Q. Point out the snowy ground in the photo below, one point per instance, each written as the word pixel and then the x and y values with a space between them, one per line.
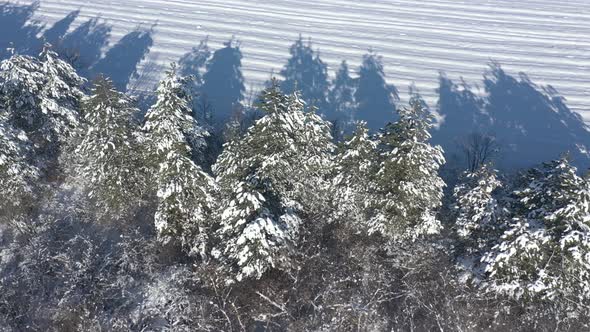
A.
pixel 547 39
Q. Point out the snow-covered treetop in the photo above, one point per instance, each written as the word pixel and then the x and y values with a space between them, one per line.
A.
pixel 171 120
pixel 107 154
pixel 63 81
pixel 268 180
pixel 358 153
pixel 408 181
pixel 545 251
pixel 42 96
pixel 291 140
pixel 550 189
pixel 184 190
pixel 475 205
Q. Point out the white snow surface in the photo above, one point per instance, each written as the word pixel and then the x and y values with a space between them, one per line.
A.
pixel 547 39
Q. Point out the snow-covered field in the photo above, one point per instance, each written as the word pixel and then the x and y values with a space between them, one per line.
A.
pixel 547 39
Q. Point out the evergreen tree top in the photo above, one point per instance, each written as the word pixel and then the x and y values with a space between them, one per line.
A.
pixel 273 100
pixel 414 124
pixel 171 118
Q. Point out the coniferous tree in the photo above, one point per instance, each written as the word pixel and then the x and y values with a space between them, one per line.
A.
pixel 42 97
pixel 354 186
pixel 271 180
pixel 408 187
pixel 184 190
pixel 18 177
pixel 375 98
pixel 545 251
pixel 307 73
pixel 107 157
pixel 479 217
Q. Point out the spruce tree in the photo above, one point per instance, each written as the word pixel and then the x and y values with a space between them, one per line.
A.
pixel 408 187
pixel 545 251
pixel 107 156
pixel 271 181
pixel 18 177
pixel 479 217
pixel 353 183
pixel 184 190
pixel 42 97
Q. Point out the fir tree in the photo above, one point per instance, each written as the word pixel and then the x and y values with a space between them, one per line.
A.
pixel 184 190
pixel 375 98
pixel 354 186
pixel 479 218
pixel 108 154
pixel 271 180
pixel 408 188
pixel 42 97
pixel 545 251
pixel 18 178
pixel 61 95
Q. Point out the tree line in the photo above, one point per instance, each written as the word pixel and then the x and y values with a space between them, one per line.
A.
pixel 113 218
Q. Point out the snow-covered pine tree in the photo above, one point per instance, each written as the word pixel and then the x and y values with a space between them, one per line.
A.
pixel 479 217
pixel 271 180
pixel 18 178
pixel 107 155
pixel 356 163
pixel 408 187
pixel 42 97
pixel 62 95
pixel 184 190
pixel 545 251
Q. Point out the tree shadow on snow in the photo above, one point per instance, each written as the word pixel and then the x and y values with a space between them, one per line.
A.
pixel 18 33
pixel 120 62
pixel 531 123
pixel 84 45
pixel 223 87
pixel 193 64
pixel 55 34
pixel 375 98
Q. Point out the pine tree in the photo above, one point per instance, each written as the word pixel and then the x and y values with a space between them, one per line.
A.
pixel 18 178
pixel 271 180
pixel 354 186
pixel 479 218
pixel 341 100
pixel 375 98
pixel 477 208
pixel 545 251
pixel 307 73
pixel 108 154
pixel 42 97
pixel 408 188
pixel 61 94
pixel 184 190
